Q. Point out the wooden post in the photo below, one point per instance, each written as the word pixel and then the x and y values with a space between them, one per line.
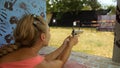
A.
pixel 116 49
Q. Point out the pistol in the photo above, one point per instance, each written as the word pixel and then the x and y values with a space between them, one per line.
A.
pixel 76 32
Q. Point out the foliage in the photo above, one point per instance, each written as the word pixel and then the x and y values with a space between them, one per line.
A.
pixel 94 4
pixel 112 8
pixel 71 5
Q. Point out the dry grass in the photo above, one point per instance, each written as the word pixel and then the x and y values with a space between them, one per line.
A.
pixel 90 41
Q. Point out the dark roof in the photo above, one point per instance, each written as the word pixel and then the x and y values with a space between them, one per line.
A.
pixel 98 12
pixel 103 12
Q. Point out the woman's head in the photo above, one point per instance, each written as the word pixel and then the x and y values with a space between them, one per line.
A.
pixel 30 29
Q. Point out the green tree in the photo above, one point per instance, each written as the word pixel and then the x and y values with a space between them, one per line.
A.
pixel 112 8
pixel 94 4
pixel 71 5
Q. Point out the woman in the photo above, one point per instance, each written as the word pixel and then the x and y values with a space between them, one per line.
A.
pixel 31 34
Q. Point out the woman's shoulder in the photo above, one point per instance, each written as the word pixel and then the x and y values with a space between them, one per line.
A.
pixel 27 63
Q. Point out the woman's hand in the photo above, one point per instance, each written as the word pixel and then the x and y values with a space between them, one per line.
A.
pixel 71 40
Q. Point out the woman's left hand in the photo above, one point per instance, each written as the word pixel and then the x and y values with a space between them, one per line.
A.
pixel 71 41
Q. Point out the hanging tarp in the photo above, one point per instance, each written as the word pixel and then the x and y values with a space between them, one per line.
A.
pixel 12 10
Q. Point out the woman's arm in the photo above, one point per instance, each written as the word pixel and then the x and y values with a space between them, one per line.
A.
pixel 55 54
pixel 64 51
pixel 58 58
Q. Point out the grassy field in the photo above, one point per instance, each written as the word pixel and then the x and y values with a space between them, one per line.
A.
pixel 90 41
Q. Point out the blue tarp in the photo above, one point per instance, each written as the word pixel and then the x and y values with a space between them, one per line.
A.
pixel 12 10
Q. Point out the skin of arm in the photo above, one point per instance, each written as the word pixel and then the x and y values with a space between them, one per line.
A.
pixel 58 58
pixel 63 52
pixel 66 53
pixel 55 54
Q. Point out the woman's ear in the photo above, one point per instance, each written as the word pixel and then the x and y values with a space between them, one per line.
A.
pixel 43 37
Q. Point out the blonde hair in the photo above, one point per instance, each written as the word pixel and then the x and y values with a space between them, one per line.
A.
pixel 28 29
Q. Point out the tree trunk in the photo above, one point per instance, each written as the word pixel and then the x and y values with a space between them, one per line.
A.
pixel 116 49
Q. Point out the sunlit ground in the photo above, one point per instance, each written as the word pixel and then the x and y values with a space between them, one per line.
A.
pixel 90 41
